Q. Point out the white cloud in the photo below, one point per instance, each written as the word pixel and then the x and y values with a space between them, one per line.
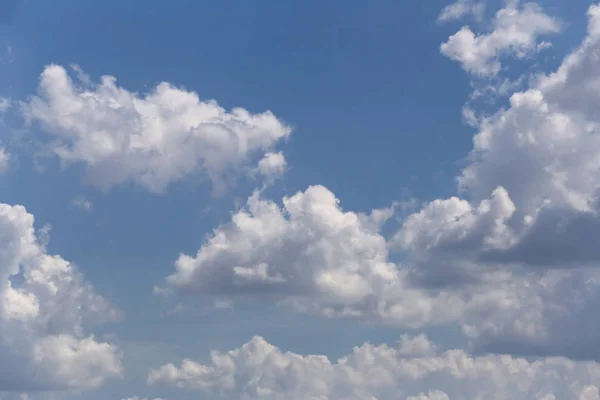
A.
pixel 543 149
pixel 5 104
pixel 315 257
pixel 140 398
pixel 260 370
pixel 509 266
pixel 272 165
pixel 44 306
pixel 539 158
pixel 312 255
pixel 304 248
pixel 460 9
pixel 82 203
pixel 514 30
pixel 154 139
pixel 4 160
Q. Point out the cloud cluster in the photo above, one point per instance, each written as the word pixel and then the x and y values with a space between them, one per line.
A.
pixel 539 159
pixel 514 31
pixel 44 305
pixel 512 262
pixel 509 264
pixel 152 140
pixel 414 370
pixel 314 256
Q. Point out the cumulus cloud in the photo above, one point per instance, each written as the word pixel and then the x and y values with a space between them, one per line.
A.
pixel 260 370
pixel 510 263
pixel 303 248
pixel 154 139
pixel 45 304
pixel 272 165
pixel 539 160
pixel 543 150
pixel 312 255
pixel 514 31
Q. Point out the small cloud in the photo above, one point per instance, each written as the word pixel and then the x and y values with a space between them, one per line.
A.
pixel 4 160
pixel 223 304
pixel 159 291
pixel 5 104
pixel 178 309
pixel 543 46
pixel 461 9
pixel 82 203
pixel 272 165
pixel 44 235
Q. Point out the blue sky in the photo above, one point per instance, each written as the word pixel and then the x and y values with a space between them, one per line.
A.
pixel 375 112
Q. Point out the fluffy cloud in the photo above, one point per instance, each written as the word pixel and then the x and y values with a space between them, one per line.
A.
pixel 511 265
pixel 543 152
pixel 44 306
pixel 539 159
pixel 272 165
pixel 514 30
pixel 260 370
pixel 310 247
pixel 313 256
pixel 154 139
pixel 445 234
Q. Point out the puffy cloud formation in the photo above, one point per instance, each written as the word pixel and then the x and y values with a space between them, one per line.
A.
pixel 539 159
pixel 44 305
pixel 309 247
pixel 259 370
pixel 154 139
pixel 312 255
pixel 514 30
pixel 272 165
pixel 511 263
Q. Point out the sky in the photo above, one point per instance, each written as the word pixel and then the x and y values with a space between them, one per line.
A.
pixel 299 200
